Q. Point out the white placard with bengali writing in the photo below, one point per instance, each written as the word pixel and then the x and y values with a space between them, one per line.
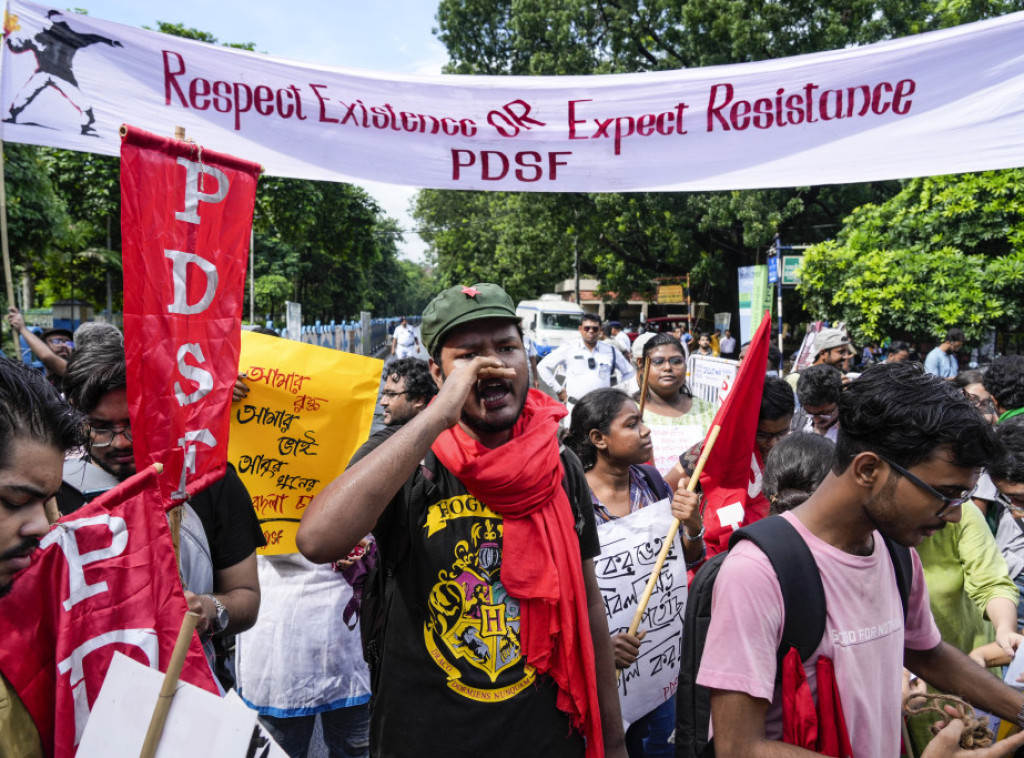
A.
pixel 629 547
pixel 672 441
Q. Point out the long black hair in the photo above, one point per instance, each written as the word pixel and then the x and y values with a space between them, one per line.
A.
pixel 596 410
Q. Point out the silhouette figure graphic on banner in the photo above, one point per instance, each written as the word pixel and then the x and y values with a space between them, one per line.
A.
pixel 55 49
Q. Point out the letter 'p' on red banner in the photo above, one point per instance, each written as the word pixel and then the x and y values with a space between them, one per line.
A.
pixel 186 218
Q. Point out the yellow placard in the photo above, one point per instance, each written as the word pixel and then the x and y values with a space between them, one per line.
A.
pixel 309 408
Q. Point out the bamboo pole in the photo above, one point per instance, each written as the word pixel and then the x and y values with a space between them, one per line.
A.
pixel 170 683
pixel 8 276
pixel 673 529
pixel 645 381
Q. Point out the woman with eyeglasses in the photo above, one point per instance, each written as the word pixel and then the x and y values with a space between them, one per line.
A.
pixel 676 418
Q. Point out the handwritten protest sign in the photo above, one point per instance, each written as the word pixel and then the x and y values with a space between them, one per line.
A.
pixel 308 410
pixel 629 547
pixel 672 440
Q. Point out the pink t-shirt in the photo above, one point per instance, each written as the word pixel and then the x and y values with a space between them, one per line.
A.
pixel 864 635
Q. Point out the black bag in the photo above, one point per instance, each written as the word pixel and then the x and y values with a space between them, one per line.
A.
pixel 803 598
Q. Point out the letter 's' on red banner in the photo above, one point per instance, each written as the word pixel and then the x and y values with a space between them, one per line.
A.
pixel 104 581
pixel 186 218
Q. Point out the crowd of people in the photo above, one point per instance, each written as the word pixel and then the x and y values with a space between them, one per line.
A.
pixel 463 535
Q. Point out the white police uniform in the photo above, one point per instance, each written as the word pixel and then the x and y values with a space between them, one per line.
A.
pixel 585 370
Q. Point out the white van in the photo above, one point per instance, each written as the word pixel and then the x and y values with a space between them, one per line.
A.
pixel 549 321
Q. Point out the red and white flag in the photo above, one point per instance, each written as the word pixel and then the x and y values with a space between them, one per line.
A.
pixel 186 217
pixel 731 480
pixel 104 581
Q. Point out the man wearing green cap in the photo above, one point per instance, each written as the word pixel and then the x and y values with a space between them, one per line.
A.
pixel 495 640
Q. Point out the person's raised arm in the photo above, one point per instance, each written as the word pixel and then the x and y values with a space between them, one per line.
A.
pixel 347 509
pixel 53 362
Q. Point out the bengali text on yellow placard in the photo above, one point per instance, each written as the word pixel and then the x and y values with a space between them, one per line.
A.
pixel 309 408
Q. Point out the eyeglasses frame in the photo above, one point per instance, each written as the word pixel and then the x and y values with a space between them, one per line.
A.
pixel 948 503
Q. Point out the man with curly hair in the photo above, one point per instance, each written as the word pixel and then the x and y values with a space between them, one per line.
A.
pixel 818 390
pixel 408 388
pixel 1004 380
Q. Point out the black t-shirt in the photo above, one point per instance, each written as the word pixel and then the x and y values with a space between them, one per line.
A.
pixel 224 508
pixel 229 520
pixel 453 681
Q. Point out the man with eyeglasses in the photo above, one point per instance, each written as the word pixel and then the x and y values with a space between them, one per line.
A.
pixel 407 390
pixel 219 529
pixel 909 452
pixel 53 348
pixel 818 390
pixel 588 364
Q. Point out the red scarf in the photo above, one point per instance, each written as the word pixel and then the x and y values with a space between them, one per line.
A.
pixel 541 567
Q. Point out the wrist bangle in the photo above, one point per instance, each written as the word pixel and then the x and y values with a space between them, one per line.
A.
pixel 695 537
pixel 1020 716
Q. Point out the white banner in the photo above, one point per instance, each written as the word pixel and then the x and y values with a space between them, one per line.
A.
pixel 943 102
pixel 629 546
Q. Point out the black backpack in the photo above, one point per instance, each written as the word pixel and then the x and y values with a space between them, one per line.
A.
pixel 803 598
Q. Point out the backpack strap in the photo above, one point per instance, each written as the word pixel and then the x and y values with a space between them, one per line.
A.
pixel 803 596
pixel 904 566
pixel 655 481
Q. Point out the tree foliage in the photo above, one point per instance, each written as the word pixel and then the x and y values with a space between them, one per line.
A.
pixel 527 241
pixel 945 251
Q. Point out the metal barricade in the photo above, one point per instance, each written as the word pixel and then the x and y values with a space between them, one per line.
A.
pixel 707 375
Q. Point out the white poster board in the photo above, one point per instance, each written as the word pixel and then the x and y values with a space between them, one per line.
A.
pixel 199 723
pixel 629 547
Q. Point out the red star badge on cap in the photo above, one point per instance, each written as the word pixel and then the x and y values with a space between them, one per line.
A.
pixel 470 291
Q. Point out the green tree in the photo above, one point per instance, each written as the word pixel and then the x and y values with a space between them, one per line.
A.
pixel 270 293
pixel 945 251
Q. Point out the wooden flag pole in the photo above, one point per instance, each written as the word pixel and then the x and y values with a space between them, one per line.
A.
pixel 163 703
pixel 8 276
pixel 645 382
pixel 671 536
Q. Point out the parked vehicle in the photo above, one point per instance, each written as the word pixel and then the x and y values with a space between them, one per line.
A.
pixel 549 321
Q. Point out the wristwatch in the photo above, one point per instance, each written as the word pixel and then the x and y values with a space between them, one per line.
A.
pixel 220 621
pixel 695 537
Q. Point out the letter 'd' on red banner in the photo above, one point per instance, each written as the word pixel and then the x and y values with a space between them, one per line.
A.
pixel 186 217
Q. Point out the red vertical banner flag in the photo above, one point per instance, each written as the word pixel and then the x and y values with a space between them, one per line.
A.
pixel 103 581
pixel 186 219
pixel 731 480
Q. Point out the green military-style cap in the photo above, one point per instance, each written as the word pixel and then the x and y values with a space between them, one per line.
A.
pixel 459 305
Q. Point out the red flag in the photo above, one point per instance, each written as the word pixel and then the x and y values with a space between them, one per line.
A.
pixel 731 480
pixel 104 581
pixel 186 217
